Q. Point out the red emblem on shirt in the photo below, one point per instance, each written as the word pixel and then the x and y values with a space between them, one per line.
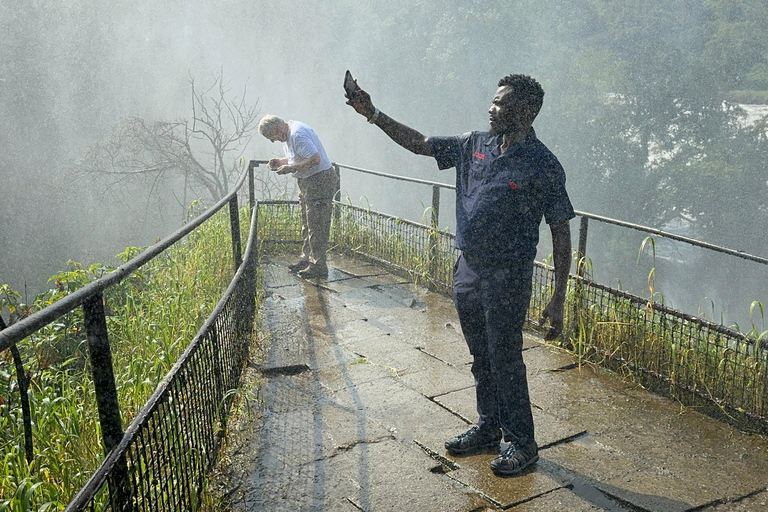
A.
pixel 513 185
pixel 479 155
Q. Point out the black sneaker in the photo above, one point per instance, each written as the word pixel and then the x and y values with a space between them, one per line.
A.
pixel 474 440
pixel 515 458
pixel 299 265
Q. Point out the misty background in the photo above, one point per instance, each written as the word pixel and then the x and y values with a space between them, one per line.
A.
pixel 645 107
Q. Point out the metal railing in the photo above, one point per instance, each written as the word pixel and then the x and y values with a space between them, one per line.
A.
pixel 159 461
pixel 715 368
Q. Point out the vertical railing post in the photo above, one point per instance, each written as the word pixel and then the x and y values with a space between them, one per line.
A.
pixel 107 403
pixel 433 234
pixel 234 222
pixel 581 256
pixel 251 186
pixel 583 228
pixel 435 207
pixel 218 368
pixel 26 411
pixel 337 195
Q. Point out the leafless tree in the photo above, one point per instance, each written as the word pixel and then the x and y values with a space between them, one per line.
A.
pixel 206 151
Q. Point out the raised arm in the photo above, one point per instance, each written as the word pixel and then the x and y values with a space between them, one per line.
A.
pixel 407 137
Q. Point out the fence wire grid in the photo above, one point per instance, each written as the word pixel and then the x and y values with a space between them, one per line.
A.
pixel 702 364
pixel 161 462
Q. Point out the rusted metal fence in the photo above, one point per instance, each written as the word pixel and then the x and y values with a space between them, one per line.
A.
pixel 701 363
pixel 159 462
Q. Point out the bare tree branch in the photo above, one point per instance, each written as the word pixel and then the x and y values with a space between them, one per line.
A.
pixel 221 127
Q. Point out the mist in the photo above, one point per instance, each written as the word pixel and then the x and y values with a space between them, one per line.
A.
pixel 71 71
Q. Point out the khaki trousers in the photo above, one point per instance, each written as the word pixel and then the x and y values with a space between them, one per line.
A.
pixel 316 202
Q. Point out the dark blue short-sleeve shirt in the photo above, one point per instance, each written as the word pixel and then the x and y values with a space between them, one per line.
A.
pixel 501 198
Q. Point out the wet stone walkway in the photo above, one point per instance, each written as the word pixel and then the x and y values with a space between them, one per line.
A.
pixel 365 375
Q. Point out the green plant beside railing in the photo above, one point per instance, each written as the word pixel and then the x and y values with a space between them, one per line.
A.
pixel 152 316
pixel 676 355
pixel 426 255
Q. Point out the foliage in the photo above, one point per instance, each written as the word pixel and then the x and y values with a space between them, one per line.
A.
pixel 152 315
pixel 737 43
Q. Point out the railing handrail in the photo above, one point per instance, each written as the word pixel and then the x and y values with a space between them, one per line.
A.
pixel 23 328
pixel 382 174
pixel 673 236
pixel 599 218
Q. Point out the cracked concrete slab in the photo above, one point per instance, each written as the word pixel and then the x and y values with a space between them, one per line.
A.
pixel 380 377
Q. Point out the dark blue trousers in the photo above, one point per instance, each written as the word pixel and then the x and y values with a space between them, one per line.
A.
pixel 491 298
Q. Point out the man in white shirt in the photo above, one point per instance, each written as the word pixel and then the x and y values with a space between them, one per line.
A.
pixel 318 181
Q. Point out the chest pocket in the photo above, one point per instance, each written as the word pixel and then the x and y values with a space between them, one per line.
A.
pixel 478 171
pixel 513 192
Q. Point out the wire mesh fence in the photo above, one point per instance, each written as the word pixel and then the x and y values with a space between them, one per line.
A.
pixel 162 458
pixel 424 254
pixel 698 362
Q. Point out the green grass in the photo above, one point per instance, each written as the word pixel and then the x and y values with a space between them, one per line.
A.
pixel 153 315
pixel 674 355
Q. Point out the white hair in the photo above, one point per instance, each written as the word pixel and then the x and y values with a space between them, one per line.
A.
pixel 269 123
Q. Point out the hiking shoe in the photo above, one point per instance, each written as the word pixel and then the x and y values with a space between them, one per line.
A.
pixel 313 271
pixel 299 265
pixel 474 440
pixel 515 458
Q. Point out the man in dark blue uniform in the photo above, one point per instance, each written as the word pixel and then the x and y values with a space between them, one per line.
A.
pixel 506 182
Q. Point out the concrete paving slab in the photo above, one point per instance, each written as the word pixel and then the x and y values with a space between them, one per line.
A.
pixel 653 436
pixel 282 322
pixel 504 493
pixel 392 352
pixel 278 275
pixel 557 500
pixel 365 377
pixel 344 284
pixel 755 502
pixel 346 377
pixel 395 405
pixel 461 402
pixel 329 355
pixel 356 329
pixel 351 265
pixel 412 487
pixel 436 379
